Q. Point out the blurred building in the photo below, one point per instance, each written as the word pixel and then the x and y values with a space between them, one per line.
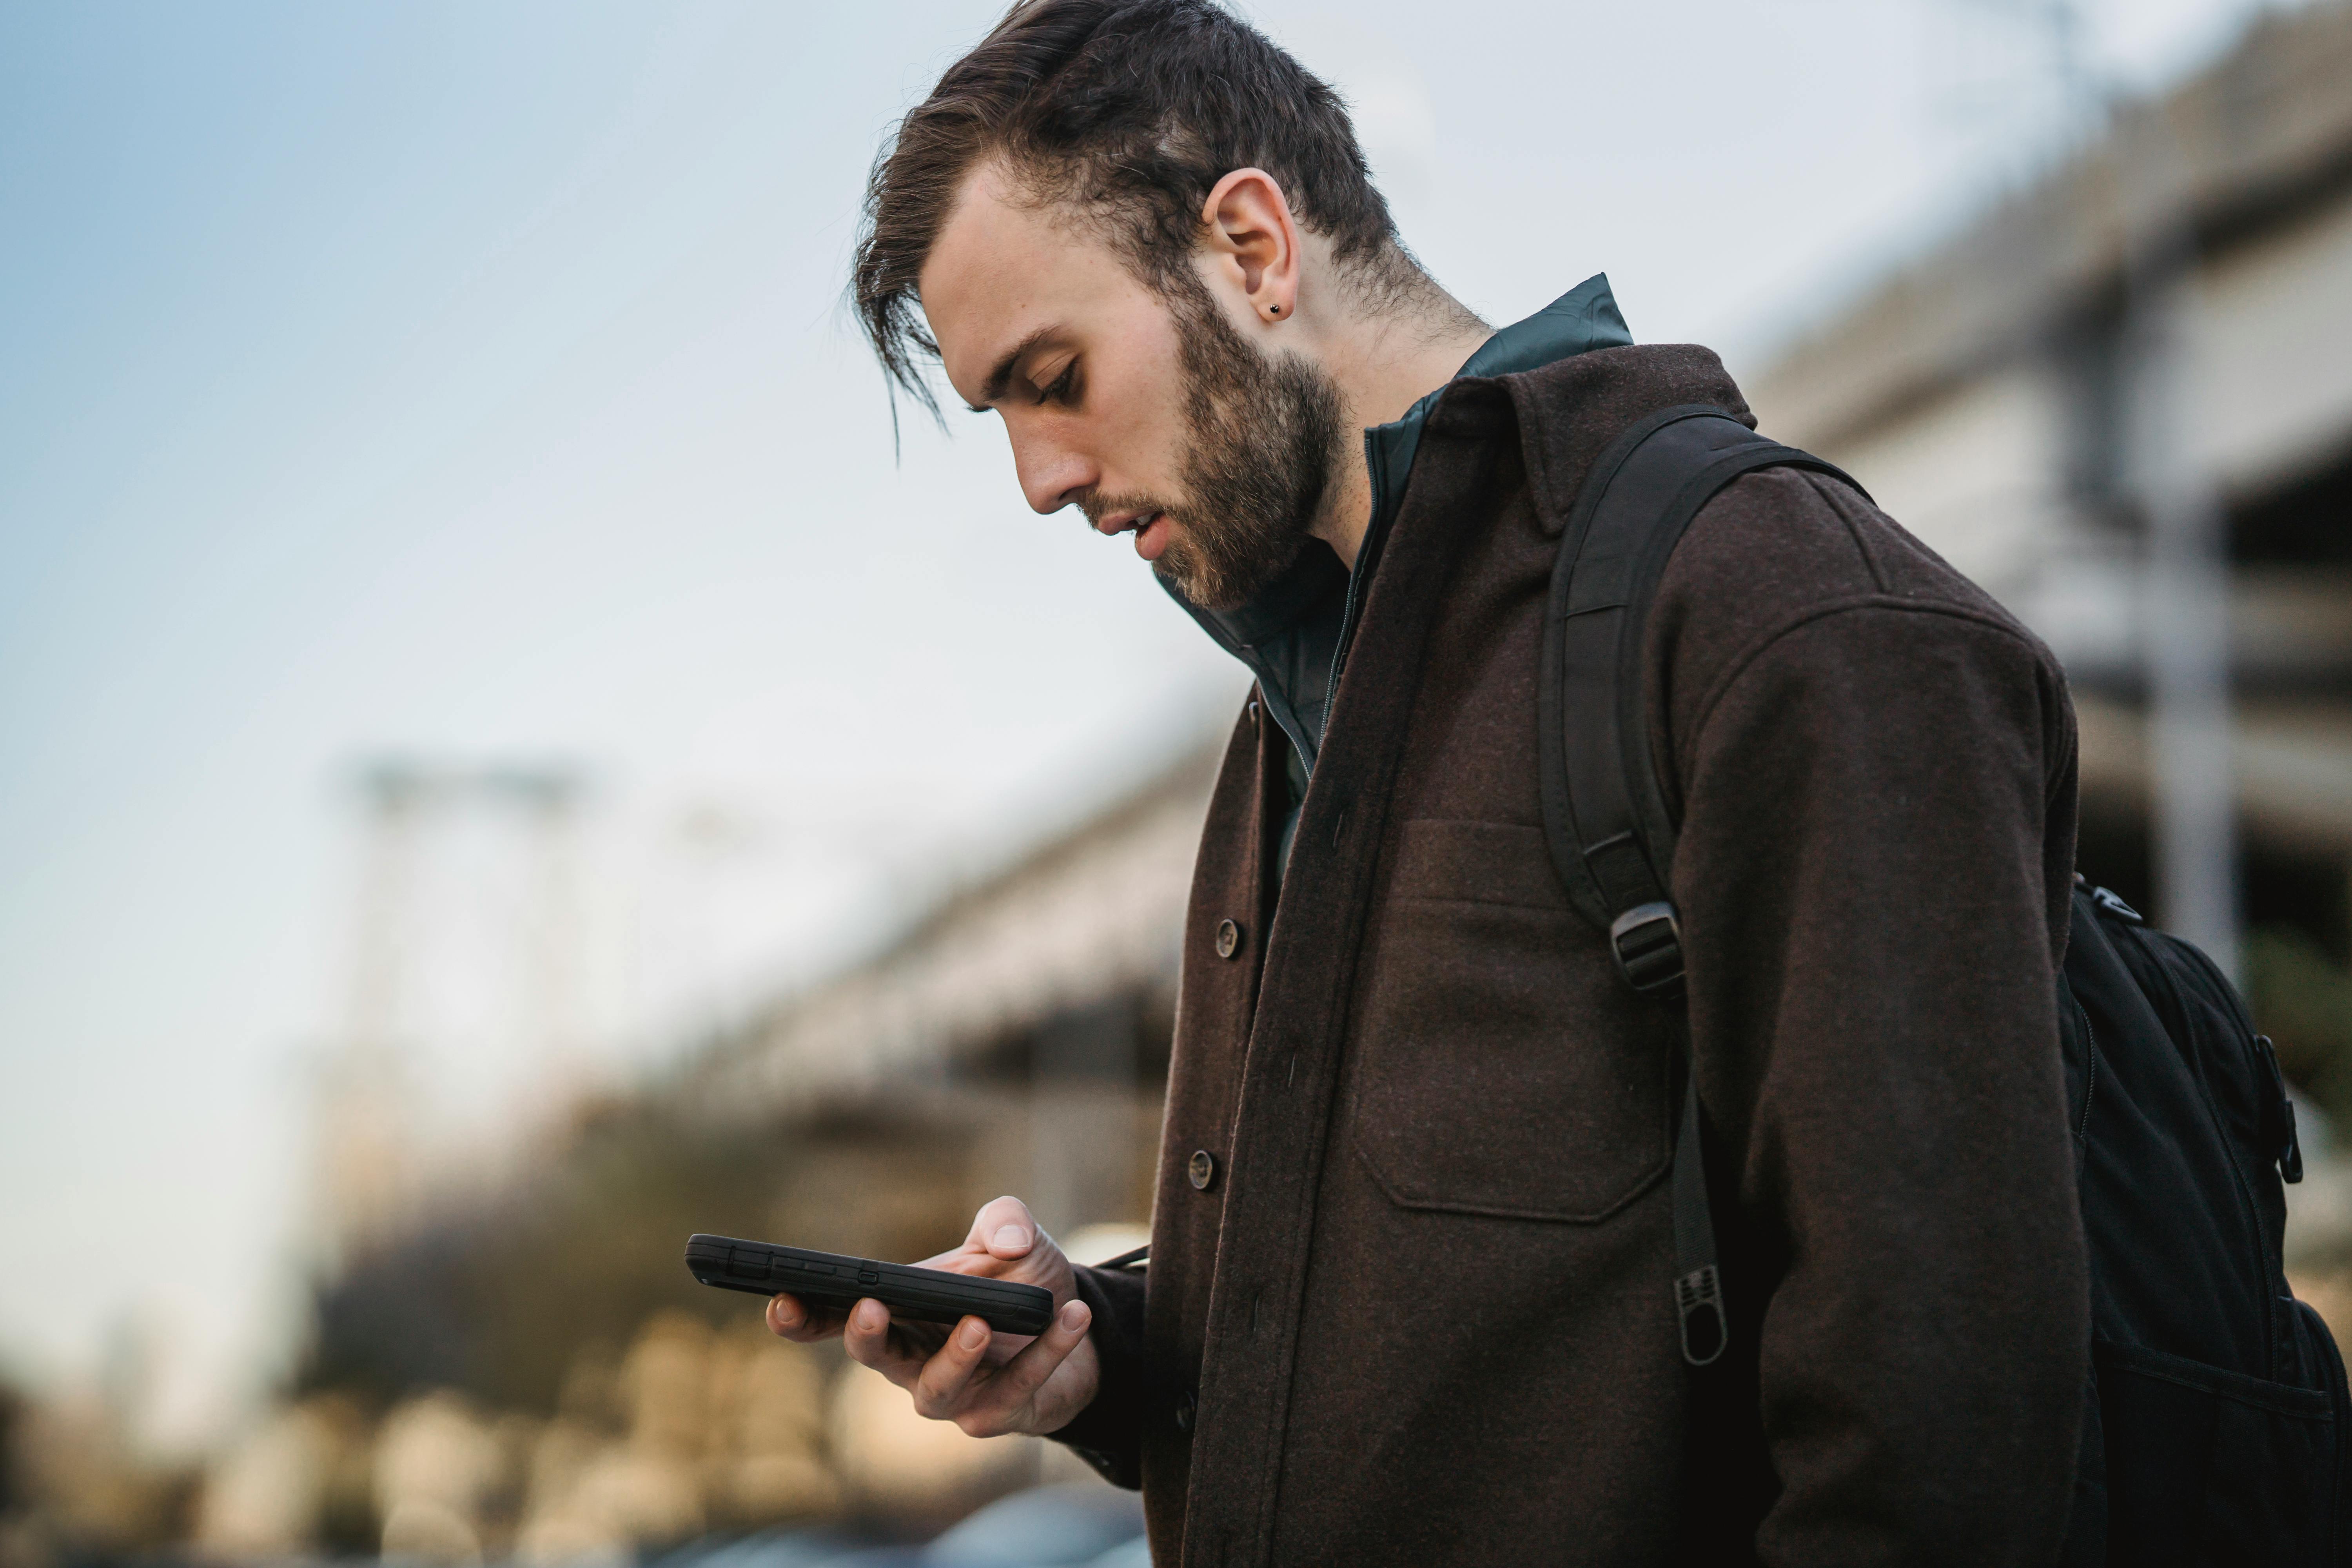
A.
pixel 2122 401
pixel 1046 991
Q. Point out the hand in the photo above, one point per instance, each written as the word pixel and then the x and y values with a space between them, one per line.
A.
pixel 986 1383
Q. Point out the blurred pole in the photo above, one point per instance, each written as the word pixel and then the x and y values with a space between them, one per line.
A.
pixel 2185 627
pixel 362 1131
pixel 548 971
pixel 393 796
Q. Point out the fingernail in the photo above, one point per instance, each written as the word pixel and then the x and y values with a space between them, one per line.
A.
pixel 1011 1238
pixel 975 1336
pixel 1074 1314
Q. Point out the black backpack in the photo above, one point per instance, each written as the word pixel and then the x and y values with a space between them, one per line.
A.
pixel 2216 1408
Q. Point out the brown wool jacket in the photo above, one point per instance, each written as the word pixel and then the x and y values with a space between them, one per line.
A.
pixel 1421 1310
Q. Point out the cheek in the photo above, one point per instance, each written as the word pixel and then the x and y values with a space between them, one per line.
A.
pixel 1139 418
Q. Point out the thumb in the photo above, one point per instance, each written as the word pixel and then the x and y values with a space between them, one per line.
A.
pixel 1005 1228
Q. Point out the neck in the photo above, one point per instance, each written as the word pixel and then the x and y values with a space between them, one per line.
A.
pixel 1382 368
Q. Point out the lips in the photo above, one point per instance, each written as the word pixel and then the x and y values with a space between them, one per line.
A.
pixel 1152 536
pixel 1150 528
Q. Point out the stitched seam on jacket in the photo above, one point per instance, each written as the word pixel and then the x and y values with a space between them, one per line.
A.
pixel 1842 500
pixel 2243 1388
pixel 1483 902
pixel 1651 1175
pixel 1745 659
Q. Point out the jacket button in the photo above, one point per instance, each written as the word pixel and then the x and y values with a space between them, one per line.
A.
pixel 1185 1405
pixel 1203 1170
pixel 1229 939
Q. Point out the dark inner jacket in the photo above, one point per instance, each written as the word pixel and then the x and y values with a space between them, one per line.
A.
pixel 1418 1308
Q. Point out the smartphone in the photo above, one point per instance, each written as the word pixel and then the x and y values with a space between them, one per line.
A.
pixel 830 1280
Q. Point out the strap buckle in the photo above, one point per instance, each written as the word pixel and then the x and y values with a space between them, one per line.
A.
pixel 2278 1117
pixel 2112 902
pixel 1647 941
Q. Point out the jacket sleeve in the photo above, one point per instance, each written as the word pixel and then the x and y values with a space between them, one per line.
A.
pixel 1107 1433
pixel 1877 836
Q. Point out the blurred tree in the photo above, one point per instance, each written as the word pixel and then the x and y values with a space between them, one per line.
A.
pixel 502 1298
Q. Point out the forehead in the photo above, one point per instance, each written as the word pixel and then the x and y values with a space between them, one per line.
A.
pixel 1005 267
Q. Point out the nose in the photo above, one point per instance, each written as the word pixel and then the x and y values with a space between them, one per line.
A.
pixel 1053 476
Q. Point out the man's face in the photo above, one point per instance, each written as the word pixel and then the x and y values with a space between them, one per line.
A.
pixel 1154 415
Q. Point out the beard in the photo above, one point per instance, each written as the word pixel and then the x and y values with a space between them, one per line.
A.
pixel 1263 441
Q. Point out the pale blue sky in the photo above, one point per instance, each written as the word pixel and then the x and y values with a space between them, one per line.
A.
pixel 470 381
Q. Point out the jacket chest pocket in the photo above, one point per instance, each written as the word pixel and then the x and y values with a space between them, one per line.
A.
pixel 1500 1066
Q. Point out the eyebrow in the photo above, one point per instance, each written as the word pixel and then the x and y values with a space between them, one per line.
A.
pixel 1001 377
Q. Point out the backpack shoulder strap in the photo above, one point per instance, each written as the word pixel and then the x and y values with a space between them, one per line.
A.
pixel 1607 820
pixel 1606 817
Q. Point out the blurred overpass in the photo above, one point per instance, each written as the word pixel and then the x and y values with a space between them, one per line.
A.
pixel 1995 397
pixel 1985 395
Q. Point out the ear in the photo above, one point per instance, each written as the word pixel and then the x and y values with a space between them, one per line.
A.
pixel 1253 243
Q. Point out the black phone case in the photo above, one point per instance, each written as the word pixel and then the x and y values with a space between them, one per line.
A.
pixel 828 1280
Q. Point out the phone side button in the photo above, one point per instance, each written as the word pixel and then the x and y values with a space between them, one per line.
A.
pixel 746 1265
pixel 869 1276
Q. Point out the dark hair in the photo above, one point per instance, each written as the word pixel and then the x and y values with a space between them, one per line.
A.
pixel 1130 110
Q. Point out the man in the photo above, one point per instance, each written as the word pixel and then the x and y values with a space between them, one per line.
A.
pixel 1407 1297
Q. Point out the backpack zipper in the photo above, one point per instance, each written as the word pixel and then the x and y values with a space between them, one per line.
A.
pixel 2090 1068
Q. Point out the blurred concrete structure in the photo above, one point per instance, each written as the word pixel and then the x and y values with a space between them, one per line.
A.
pixel 369 1155
pixel 2122 401
pixel 2155 340
pixel 1052 982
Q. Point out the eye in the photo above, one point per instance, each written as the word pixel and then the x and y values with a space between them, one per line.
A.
pixel 1063 386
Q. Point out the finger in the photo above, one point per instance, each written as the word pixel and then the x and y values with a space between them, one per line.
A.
pixel 867 1336
pixel 1003 1228
pixel 921 1341
pixel 1018 1380
pixel 792 1318
pixel 940 1388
